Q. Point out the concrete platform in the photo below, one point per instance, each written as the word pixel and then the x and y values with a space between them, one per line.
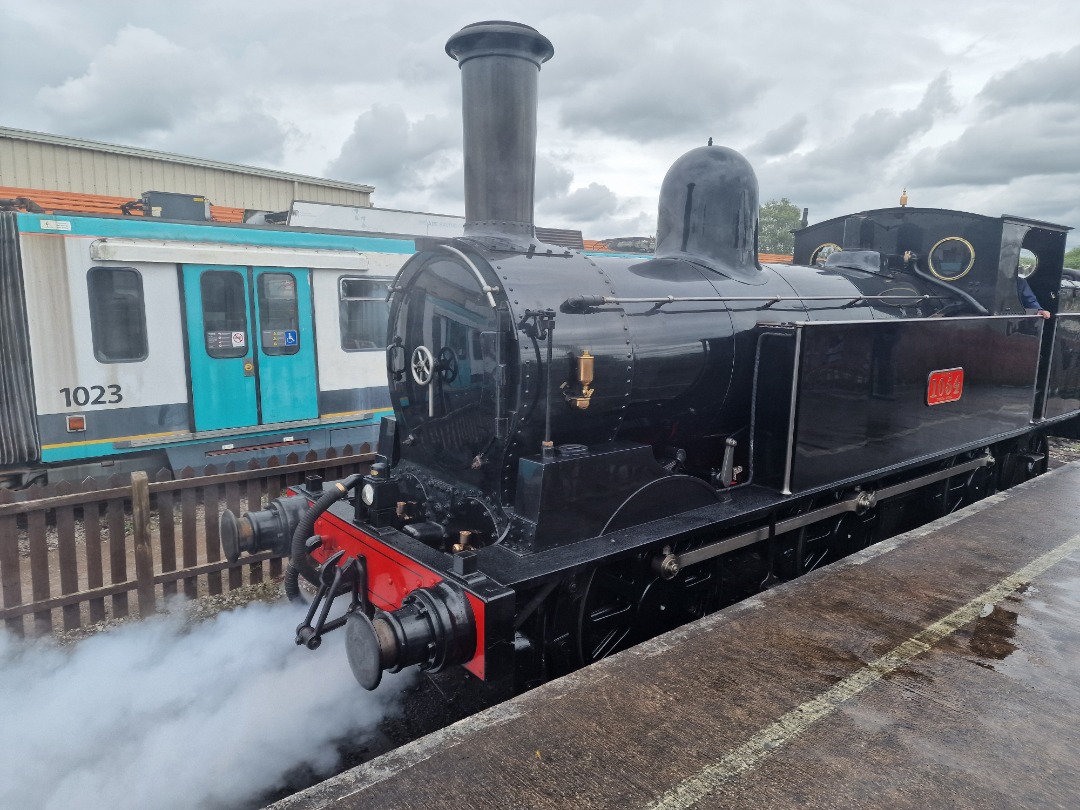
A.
pixel 938 669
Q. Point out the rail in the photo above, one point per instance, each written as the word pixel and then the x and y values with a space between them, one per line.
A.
pixel 75 556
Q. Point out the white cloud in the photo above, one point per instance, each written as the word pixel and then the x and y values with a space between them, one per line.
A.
pixel 142 82
pixel 398 156
pixel 832 109
pixel 785 138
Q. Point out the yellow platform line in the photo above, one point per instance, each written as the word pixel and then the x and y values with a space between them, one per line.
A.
pixel 793 724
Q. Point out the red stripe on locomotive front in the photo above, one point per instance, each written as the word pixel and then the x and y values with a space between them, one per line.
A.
pixel 391 575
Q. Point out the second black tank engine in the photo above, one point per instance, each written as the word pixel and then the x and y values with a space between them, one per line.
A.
pixel 587 450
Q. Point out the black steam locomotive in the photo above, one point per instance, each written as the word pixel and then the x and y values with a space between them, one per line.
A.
pixel 589 450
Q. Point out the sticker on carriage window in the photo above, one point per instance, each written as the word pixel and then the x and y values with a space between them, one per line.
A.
pixel 84 395
pixel 225 340
pixel 272 339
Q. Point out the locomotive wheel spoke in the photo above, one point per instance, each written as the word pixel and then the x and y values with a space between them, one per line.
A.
pixel 813 562
pixel 607 615
pixel 622 620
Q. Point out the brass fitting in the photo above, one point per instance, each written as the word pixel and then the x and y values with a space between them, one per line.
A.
pixel 585 378
pixel 464 542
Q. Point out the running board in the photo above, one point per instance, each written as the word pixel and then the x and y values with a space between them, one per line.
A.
pixel 668 564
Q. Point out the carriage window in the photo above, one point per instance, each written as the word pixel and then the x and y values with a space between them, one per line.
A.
pixel 224 303
pixel 951 258
pixel 279 323
pixel 362 313
pixel 117 314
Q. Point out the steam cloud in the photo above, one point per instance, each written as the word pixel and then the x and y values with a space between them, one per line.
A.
pixel 153 715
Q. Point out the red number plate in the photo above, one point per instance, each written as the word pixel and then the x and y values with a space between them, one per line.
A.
pixel 944 386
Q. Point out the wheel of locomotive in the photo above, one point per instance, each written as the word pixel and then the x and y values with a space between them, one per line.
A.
pixel 791 546
pixel 607 612
pixel 979 483
pixel 611 607
pixel 1039 455
pixel 965 488
pixel 853 533
pixel 626 602
pixel 825 541
pixel 1022 460
pixel 830 540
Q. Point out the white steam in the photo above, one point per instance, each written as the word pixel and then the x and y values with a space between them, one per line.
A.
pixel 151 715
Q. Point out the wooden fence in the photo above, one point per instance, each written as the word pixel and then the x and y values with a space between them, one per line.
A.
pixel 77 553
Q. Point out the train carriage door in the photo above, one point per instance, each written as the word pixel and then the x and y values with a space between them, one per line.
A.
pixel 251 344
pixel 288 389
pixel 216 302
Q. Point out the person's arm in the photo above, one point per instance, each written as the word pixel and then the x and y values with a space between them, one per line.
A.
pixel 1028 299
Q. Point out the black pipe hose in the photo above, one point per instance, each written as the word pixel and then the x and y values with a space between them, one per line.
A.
pixel 937 282
pixel 300 563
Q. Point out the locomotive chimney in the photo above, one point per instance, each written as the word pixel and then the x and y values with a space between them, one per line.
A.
pixel 500 67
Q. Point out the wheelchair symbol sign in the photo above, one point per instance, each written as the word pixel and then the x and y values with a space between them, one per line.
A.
pixel 290 337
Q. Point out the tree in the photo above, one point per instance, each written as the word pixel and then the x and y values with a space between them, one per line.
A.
pixel 777 219
pixel 1072 258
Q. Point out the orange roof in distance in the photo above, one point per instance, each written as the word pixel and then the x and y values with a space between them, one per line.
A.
pixel 595 246
pixel 75 202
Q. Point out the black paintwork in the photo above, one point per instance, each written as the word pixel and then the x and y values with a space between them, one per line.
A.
pixel 677 377
pixel 997 242
pixel 709 213
pixel 500 59
pixel 566 498
pixel 862 394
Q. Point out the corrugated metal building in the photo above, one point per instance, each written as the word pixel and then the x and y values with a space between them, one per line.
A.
pixel 35 160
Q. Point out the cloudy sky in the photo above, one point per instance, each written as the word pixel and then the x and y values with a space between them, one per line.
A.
pixel 838 104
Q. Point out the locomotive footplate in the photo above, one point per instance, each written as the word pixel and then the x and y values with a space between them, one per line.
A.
pixel 934 669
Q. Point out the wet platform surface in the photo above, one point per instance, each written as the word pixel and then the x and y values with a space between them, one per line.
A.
pixel 937 669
